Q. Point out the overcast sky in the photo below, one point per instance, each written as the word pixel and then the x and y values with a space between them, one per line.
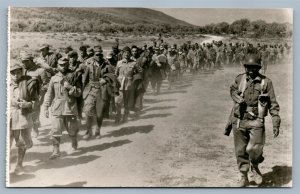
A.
pixel 198 16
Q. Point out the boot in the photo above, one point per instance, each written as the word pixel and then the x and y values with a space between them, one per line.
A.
pixel 125 117
pixel 35 132
pixel 255 174
pixel 56 152
pixel 19 166
pixel 243 180
pixel 74 145
pixel 97 134
pixel 88 134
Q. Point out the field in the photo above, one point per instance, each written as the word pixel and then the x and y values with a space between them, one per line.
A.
pixel 177 140
pixel 31 41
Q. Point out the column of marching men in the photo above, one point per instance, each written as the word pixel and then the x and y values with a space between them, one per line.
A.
pixel 82 86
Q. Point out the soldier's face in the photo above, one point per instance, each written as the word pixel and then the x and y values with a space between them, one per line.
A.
pixel 16 75
pixel 83 53
pixel 252 71
pixel 134 52
pixel 27 64
pixel 72 60
pixel 63 67
pixel 44 52
pixel 98 56
pixel 126 55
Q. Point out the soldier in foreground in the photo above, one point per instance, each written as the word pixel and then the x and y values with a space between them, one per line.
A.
pixel 254 95
pixel 24 97
pixel 62 96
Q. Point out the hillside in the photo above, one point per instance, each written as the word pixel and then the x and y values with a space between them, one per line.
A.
pixel 94 20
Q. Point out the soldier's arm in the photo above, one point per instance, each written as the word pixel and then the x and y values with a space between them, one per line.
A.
pixel 34 93
pixel 49 96
pixel 117 70
pixel 273 105
pixel 75 90
pixel 42 63
pixel 85 77
pixel 234 91
pixel 45 80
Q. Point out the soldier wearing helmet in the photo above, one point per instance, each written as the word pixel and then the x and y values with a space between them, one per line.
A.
pixel 253 95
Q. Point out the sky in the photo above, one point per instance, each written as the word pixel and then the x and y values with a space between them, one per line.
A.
pixel 200 17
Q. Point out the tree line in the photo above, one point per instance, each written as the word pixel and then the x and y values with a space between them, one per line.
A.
pixel 242 28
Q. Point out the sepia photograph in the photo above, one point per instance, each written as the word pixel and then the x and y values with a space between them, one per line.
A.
pixel 149 97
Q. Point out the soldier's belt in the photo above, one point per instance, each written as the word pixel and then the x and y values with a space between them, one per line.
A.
pixel 95 84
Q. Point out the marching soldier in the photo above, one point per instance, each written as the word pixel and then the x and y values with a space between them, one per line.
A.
pixel 92 82
pixel 24 98
pixel 126 68
pixel 254 95
pixel 62 97
pixel 39 74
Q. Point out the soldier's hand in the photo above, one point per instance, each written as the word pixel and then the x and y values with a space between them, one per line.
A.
pixel 67 85
pixel 46 113
pixel 276 132
pixel 102 81
pixel 24 104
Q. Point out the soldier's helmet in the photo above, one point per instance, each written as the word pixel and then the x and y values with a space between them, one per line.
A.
pixel 252 60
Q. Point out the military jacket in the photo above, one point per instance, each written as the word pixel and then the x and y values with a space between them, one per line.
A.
pixel 63 101
pixel 251 94
pixel 125 71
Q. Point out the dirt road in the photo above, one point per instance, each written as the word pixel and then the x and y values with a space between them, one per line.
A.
pixel 176 141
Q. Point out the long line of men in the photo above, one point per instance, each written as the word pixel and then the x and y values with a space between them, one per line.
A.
pixel 86 85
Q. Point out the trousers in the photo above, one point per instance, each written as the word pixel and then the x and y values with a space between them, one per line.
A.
pixel 249 140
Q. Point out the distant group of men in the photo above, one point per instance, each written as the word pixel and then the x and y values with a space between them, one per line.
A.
pixel 86 85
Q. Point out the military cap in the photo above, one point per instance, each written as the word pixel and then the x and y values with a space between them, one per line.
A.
pixel 15 65
pixel 134 46
pixel 26 56
pixel 44 46
pixel 83 47
pixel 63 60
pixel 90 50
pixel 98 49
pixel 72 53
pixel 252 60
pixel 126 48
pixel 68 49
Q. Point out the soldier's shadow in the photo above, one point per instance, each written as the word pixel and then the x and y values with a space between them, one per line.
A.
pixel 74 184
pixel 13 178
pixel 130 130
pixel 279 176
pixel 150 101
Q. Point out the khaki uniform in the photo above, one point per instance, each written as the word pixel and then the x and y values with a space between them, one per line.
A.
pixel 21 118
pixel 125 71
pixel 249 130
pixel 64 107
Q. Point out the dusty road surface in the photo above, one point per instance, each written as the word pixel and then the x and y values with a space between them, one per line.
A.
pixel 176 141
